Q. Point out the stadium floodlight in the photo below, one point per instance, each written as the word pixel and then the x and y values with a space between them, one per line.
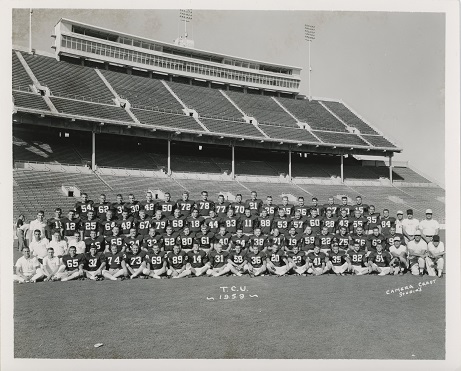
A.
pixel 309 36
pixel 186 16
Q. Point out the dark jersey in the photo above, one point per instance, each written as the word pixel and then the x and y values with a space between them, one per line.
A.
pixel 248 223
pixel 169 241
pixel 107 226
pixel 197 259
pixel 93 263
pixel 167 208
pixel 260 241
pixel 74 263
pixel 278 240
pixel 373 220
pixel 135 260
pixel 213 224
pixel 71 226
pixel 390 239
pixel 386 223
pixel 143 225
pixel 316 259
pixel 314 223
pixel 223 239
pixel 330 223
pixel 320 209
pixel 90 225
pixel 101 209
pixel 154 260
pixel 342 240
pixel 349 209
pixel 159 224
pixel 221 209
pixel 53 224
pixel 292 241
pixel 363 208
pixel 195 224
pixel 114 261
pixel 204 207
pixel 125 225
pixel 148 206
pixel 254 206
pixel 218 260
pixel 358 222
pixel 344 222
pixel 185 206
pixel 373 240
pixel 308 242
pixel 231 223
pixel 381 259
pixel 282 224
pixel 276 258
pixel 303 210
pixel 265 224
pixel 205 239
pixel 177 261
pixel 185 241
pixel 98 242
pixel 299 259
pixel 337 258
pixel 298 224
pixel 356 258
pixel 324 241
pixel 288 208
pixel 333 208
pixel 243 240
pixel 256 260
pixel 82 208
pixel 271 209
pixel 177 223
pixel 237 259
pixel 131 241
pixel 361 240
pixel 150 241
pixel 118 207
pixel 112 240
pixel 133 208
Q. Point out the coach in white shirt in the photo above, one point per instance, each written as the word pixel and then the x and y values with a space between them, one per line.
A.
pixel 51 265
pixel 429 227
pixel 398 222
pixel 39 224
pixel 59 246
pixel 409 226
pixel 39 246
pixel 435 256
pixel 417 249
pixel 27 268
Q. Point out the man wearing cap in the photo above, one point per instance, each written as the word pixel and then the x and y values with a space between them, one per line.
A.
pixel 399 252
pixel 417 249
pixel 435 256
pixel 409 226
pixel 428 227
pixel 398 222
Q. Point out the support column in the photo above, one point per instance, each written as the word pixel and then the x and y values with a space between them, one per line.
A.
pixel 233 162
pixel 390 168
pixel 289 165
pixel 169 158
pixel 342 168
pixel 93 150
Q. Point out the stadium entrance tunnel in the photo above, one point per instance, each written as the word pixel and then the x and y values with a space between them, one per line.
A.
pixel 70 191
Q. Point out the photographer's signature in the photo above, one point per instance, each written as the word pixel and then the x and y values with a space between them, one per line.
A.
pixel 410 289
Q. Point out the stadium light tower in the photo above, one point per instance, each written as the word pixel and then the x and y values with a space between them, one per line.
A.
pixel 185 15
pixel 30 30
pixel 309 36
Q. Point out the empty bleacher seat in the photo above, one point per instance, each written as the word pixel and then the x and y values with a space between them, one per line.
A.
pixel 29 100
pixel 99 111
pixel 21 79
pixel 279 132
pixel 65 79
pixel 340 138
pixel 312 113
pixel 378 141
pixel 262 108
pixel 235 128
pixel 349 118
pixel 173 121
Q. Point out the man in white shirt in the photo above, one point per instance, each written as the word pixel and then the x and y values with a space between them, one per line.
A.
pixel 51 265
pixel 39 246
pixel 429 227
pixel 399 252
pixel 27 268
pixel 398 222
pixel 79 245
pixel 59 246
pixel 417 249
pixel 409 226
pixel 39 224
pixel 435 256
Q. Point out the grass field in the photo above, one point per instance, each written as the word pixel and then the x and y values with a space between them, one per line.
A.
pixel 292 317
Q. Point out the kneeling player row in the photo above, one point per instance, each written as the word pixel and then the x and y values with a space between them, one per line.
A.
pixel 196 262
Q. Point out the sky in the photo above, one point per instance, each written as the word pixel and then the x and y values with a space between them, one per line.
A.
pixel 387 66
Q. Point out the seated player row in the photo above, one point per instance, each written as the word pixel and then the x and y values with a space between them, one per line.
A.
pixel 179 263
pixel 269 218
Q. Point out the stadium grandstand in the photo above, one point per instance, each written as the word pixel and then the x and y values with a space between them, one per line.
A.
pixel 111 113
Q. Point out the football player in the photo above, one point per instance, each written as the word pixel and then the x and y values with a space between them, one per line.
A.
pixel 269 206
pixel 132 205
pixel 338 261
pixel 287 207
pixel 148 205
pixel 94 264
pixel 197 261
pixel 153 238
pixel 72 266
pixel 167 206
pixel 186 239
pixel 205 238
pixel 256 262
pixel 101 207
pixel 399 253
pixel 317 262
pixel 185 204
pixel 373 218
pixel 248 222
pixel 238 206
pixel 265 222
pixel 324 240
pixel 177 263
pixel 276 261
pixel 221 207
pixel 237 260
pixel 386 222
pixel 118 206
pixel 297 261
pixel 357 258
pixel 254 204
pixel 195 221
pixel 135 262
pixel 293 239
pixel 116 239
pixel 381 261
pixel 218 262
pixel 156 262
pixel 204 205
pixel 177 221
pixel 115 268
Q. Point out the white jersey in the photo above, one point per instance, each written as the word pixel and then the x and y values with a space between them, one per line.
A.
pixel 51 264
pixel 79 246
pixel 410 225
pixel 398 251
pixel 417 247
pixel 28 266
pixel 39 248
pixel 399 226
pixel 429 227
pixel 60 247
pixel 436 250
